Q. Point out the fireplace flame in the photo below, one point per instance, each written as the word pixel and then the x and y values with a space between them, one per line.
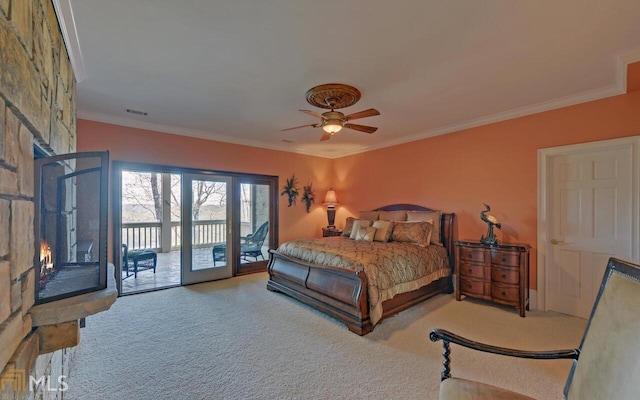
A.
pixel 46 265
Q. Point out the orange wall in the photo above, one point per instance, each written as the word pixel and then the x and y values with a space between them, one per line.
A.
pixel 494 164
pixel 143 146
pixel 457 172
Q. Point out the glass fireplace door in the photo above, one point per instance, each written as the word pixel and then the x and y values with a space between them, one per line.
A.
pixel 70 224
pixel 206 228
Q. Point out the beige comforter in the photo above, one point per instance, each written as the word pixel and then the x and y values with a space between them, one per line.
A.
pixel 391 267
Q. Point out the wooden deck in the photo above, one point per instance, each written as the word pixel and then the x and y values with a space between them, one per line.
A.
pixel 168 271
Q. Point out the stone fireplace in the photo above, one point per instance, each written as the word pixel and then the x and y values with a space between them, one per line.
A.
pixel 37 106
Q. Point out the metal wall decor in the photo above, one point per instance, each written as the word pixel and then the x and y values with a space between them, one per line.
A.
pixel 308 196
pixel 291 190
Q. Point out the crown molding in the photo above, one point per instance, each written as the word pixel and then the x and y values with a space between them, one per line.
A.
pixel 174 130
pixel 619 87
pixel 67 22
pixel 621 61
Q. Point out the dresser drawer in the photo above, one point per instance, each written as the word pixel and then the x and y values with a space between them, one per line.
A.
pixel 505 275
pixel 472 287
pixel 472 270
pixel 472 254
pixel 506 293
pixel 501 257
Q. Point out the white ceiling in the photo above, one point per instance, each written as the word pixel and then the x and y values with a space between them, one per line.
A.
pixel 237 70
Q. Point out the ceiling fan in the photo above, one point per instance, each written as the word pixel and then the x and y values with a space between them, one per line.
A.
pixel 335 96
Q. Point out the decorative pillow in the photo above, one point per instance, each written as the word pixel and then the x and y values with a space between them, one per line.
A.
pixel 434 217
pixel 400 215
pixel 348 226
pixel 366 234
pixel 412 232
pixel 357 224
pixel 383 230
pixel 370 215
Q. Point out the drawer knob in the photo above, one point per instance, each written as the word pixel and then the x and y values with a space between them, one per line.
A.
pixel 504 259
pixel 504 276
pixel 470 270
pixel 504 293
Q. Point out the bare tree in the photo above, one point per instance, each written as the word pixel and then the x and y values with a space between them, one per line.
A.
pixel 145 190
pixel 138 189
pixel 157 195
pixel 202 191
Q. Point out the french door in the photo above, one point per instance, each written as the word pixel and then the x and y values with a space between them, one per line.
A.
pixel 206 228
pixel 177 226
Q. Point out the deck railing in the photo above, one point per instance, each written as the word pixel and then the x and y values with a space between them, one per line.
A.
pixel 148 235
pixel 142 235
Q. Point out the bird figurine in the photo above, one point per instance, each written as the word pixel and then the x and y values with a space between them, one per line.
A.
pixel 491 221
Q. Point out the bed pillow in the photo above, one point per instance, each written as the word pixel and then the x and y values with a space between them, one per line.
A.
pixel 434 217
pixel 383 230
pixel 366 234
pixel 357 224
pixel 369 215
pixel 400 215
pixel 412 232
pixel 348 226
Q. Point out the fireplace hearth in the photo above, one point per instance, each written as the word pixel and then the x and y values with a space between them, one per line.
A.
pixel 71 225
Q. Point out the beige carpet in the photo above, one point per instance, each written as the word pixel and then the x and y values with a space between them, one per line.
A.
pixel 233 339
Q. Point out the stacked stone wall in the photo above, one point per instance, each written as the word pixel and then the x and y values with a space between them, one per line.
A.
pixel 37 106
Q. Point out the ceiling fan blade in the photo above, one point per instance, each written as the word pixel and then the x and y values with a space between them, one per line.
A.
pixel 301 126
pixel 361 128
pixel 325 136
pixel 313 114
pixel 363 114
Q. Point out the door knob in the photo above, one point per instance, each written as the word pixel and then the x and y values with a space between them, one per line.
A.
pixel 556 241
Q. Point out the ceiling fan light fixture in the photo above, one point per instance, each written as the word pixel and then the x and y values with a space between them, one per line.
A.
pixel 332 126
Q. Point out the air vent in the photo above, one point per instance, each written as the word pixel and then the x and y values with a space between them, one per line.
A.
pixel 287 141
pixel 132 111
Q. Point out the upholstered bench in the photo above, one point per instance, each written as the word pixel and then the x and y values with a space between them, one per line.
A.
pixel 139 260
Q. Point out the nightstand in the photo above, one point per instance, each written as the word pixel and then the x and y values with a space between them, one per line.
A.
pixel 498 273
pixel 326 232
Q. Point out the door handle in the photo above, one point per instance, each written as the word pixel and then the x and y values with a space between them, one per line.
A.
pixel 556 242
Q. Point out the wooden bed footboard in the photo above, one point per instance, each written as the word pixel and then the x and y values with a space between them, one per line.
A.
pixel 342 293
pixel 338 292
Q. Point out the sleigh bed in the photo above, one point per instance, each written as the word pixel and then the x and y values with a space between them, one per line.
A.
pixel 345 293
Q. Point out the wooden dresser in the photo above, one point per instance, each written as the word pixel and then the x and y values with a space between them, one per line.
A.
pixel 497 273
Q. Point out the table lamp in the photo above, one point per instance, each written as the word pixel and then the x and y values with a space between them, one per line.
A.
pixel 331 201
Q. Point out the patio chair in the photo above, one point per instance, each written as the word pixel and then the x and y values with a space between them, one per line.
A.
pixel 605 364
pixel 250 245
pixel 138 260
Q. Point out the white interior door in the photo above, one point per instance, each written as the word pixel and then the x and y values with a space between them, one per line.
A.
pixel 591 218
pixel 206 228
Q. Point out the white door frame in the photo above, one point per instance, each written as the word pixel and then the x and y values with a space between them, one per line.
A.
pixel 544 160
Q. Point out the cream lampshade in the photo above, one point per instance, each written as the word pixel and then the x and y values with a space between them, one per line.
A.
pixel 331 201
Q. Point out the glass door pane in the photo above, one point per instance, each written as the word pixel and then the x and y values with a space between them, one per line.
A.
pixel 255 225
pixel 206 228
pixel 149 223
